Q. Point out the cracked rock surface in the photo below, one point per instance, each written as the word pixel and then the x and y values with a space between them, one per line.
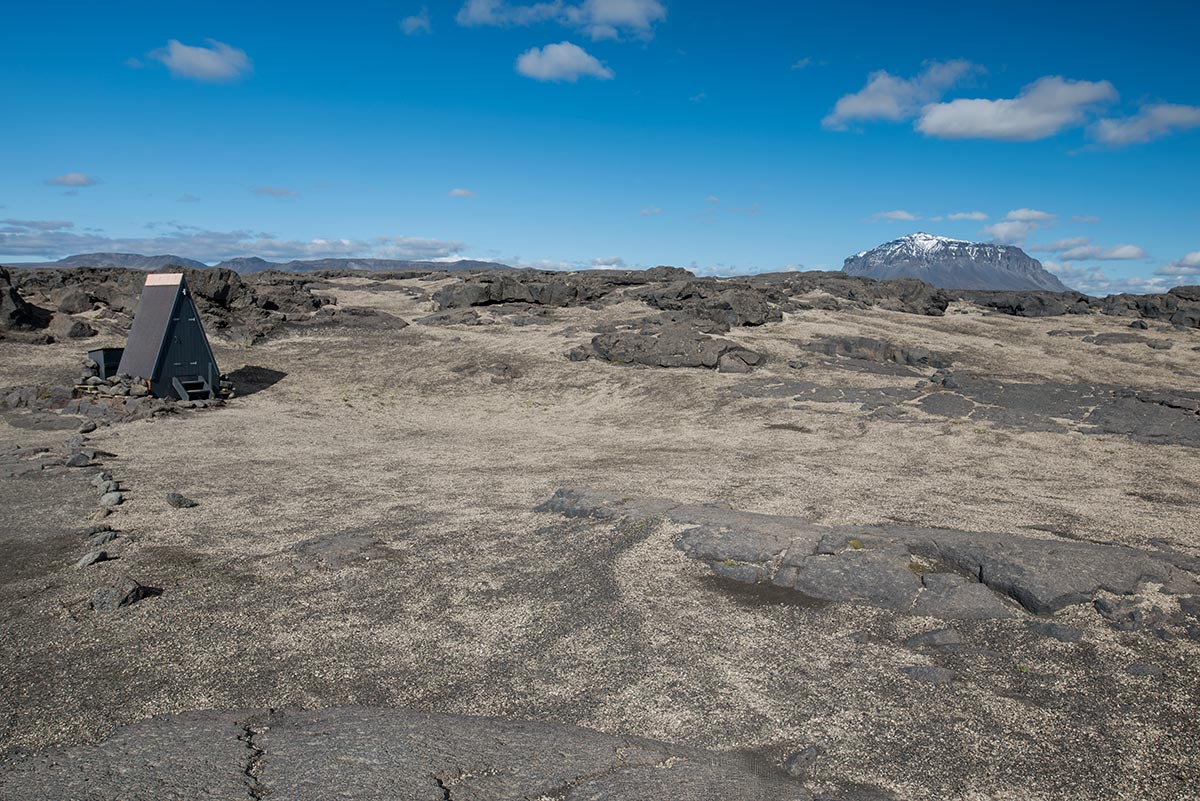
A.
pixel 372 754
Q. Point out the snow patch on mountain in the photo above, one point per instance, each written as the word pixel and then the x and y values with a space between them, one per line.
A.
pixel 953 264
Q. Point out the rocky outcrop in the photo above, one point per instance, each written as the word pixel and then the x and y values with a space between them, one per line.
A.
pixel 1179 306
pixel 726 305
pixel 228 304
pixel 953 264
pixel 877 350
pixel 937 572
pixel 546 288
pixel 15 311
pixel 674 345
pixel 1031 304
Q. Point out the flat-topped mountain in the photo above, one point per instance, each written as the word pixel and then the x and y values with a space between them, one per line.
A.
pixel 131 261
pixel 953 264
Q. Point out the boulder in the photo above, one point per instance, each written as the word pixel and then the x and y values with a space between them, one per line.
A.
pixel 123 592
pixel 15 311
pixel 64 326
pixel 72 300
pixel 177 501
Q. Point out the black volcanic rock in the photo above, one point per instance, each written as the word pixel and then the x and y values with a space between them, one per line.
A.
pixel 15 311
pixel 1030 303
pixel 953 264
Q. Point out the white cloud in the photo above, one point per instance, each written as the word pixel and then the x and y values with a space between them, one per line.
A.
pixel 417 23
pixel 1011 232
pixel 977 216
pixel 606 19
pixel 75 179
pixel 599 19
pixel 899 215
pixel 459 192
pixel 1042 109
pixel 1188 265
pixel 1061 244
pixel 609 263
pixel 887 97
pixel 1152 121
pixel 713 199
pixel 213 246
pixel 216 63
pixel 1094 281
pixel 277 192
pixel 1085 218
pixel 561 62
pixel 651 211
pixel 1017 225
pixel 1100 253
pixel 1030 215
pixel 19 226
pixel 802 63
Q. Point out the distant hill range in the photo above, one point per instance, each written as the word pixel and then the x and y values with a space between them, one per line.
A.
pixel 953 264
pixel 253 264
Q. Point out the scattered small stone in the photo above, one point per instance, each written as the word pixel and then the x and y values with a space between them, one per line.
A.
pixel 101 513
pixel 1058 631
pixel 799 763
pixel 102 538
pixel 1145 669
pixel 1126 614
pixel 87 427
pixel 112 499
pixel 96 529
pixel 110 486
pixel 179 501
pixel 937 638
pixel 1140 324
pixel 101 477
pixel 1160 344
pixel 929 674
pixel 124 592
pixel 77 460
pixel 91 558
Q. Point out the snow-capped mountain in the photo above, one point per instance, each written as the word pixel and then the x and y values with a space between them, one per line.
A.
pixel 953 264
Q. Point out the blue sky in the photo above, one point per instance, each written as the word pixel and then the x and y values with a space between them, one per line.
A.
pixel 724 137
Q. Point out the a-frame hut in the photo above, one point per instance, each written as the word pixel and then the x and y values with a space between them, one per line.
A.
pixel 167 347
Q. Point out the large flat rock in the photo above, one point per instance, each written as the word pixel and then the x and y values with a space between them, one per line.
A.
pixel 373 754
pixel 938 572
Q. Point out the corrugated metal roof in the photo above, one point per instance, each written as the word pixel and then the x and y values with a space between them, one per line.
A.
pixel 150 323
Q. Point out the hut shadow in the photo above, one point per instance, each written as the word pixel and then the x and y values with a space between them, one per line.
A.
pixel 250 379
